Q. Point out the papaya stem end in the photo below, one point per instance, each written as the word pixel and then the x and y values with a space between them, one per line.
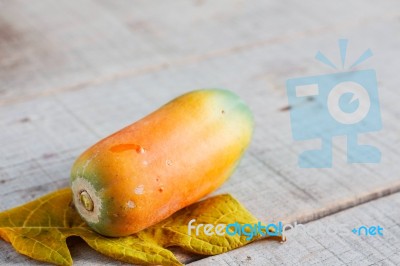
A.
pixel 86 200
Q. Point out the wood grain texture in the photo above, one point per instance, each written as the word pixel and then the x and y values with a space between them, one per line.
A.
pixel 50 47
pixel 72 73
pixel 318 243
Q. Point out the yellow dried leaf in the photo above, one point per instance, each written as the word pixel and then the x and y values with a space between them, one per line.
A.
pixel 39 229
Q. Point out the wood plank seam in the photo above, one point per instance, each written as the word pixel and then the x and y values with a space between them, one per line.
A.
pixel 340 207
pixel 194 59
pixel 345 204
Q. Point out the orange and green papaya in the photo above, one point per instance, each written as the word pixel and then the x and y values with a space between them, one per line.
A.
pixel 166 161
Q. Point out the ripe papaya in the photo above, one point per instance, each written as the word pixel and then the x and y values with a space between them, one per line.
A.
pixel 166 161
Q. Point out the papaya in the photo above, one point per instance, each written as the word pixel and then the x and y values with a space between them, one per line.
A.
pixel 164 162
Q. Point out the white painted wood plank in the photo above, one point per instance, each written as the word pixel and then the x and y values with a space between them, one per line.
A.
pixel 40 137
pixel 49 47
pixel 312 248
pixel 83 116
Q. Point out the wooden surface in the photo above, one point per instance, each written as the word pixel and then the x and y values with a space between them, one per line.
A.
pixel 72 72
pixel 329 249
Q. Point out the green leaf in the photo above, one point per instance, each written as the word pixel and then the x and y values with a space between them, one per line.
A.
pixel 39 229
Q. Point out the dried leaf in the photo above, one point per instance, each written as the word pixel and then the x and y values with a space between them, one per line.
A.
pixel 39 230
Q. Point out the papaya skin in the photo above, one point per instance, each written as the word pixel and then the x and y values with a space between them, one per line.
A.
pixel 164 162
